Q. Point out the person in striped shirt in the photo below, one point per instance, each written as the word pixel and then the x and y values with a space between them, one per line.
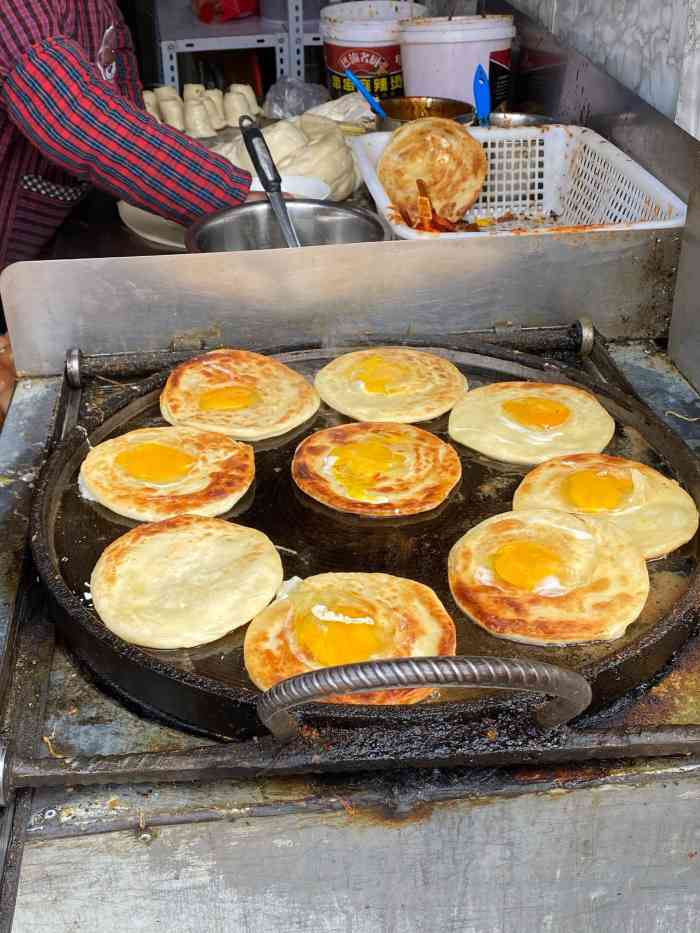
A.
pixel 72 117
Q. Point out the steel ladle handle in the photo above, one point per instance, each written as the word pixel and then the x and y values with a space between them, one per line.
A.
pixel 571 691
pixel 261 158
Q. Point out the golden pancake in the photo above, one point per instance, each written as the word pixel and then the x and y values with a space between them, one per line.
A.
pixel 236 392
pixel 376 468
pixel 442 154
pixel 530 422
pixel 342 618
pixel 544 577
pixel 391 384
pixel 156 473
pixel 657 514
pixel 185 581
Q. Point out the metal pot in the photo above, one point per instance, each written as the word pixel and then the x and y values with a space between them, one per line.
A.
pixel 400 110
pixel 254 226
pixel 514 121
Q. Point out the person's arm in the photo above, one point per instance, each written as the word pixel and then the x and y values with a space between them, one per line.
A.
pixel 57 99
pixel 127 67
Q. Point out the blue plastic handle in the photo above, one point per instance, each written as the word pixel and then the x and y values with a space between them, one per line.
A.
pixel 482 96
pixel 370 98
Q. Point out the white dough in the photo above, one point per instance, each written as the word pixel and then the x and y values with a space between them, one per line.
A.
pixel 166 92
pixel 197 122
pixel 172 113
pixel 217 97
pixel 327 157
pixel 216 120
pixel 282 139
pixel 235 106
pixel 150 102
pixel 247 91
pixel 192 92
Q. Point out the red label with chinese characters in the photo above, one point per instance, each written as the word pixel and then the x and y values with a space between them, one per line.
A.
pixel 378 67
pixel 500 77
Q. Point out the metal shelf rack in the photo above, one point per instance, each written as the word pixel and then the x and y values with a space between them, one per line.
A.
pixel 179 31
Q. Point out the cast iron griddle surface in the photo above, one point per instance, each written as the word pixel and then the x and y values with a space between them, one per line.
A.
pixel 312 539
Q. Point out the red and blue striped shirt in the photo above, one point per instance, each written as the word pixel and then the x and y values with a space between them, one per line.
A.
pixel 71 116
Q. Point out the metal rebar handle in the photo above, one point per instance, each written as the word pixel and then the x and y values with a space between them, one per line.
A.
pixel 570 690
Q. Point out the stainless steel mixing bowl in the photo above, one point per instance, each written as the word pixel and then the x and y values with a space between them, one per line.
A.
pixel 253 226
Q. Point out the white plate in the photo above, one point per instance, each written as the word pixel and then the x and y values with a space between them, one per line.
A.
pixel 299 186
pixel 151 227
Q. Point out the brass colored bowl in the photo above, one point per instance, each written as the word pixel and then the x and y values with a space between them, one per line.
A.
pixel 400 110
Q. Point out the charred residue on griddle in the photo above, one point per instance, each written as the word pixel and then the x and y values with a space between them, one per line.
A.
pixel 563 776
pixel 676 698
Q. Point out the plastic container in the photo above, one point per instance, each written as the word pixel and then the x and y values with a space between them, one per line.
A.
pixel 544 180
pixel 439 56
pixel 364 38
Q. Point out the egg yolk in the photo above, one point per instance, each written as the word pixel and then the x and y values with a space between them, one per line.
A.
pixel 537 412
pixel 525 564
pixel 359 464
pixel 339 635
pixel 380 376
pixel 155 463
pixel 597 490
pixel 228 398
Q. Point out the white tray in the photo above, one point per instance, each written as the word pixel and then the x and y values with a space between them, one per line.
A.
pixel 553 179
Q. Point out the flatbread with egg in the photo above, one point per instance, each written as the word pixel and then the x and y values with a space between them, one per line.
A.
pixel 185 581
pixel 156 473
pixel 530 422
pixel 343 618
pixel 236 392
pixel 657 513
pixel 391 384
pixel 545 577
pixel 376 468
pixel 442 154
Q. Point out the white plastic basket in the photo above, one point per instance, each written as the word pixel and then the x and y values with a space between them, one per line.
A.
pixel 552 179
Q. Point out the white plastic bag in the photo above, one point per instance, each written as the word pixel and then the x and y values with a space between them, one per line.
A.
pixel 291 97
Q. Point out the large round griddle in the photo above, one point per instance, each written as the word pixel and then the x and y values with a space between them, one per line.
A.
pixel 206 689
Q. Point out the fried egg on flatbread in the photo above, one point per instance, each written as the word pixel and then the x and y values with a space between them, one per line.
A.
pixel 376 468
pixel 444 156
pixel 342 618
pixel 657 513
pixel 530 422
pixel 246 395
pixel 185 581
pixel 156 473
pixel 391 384
pixel 545 577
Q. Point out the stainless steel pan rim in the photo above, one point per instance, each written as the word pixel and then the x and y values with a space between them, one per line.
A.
pixel 253 226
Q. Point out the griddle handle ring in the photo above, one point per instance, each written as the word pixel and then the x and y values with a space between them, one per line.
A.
pixel 570 691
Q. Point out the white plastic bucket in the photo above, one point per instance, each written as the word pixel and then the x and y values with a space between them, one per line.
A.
pixel 364 37
pixel 439 56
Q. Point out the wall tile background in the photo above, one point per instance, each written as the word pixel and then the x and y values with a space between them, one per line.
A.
pixel 650 46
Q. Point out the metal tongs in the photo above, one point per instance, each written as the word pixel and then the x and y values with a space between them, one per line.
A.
pixel 266 169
